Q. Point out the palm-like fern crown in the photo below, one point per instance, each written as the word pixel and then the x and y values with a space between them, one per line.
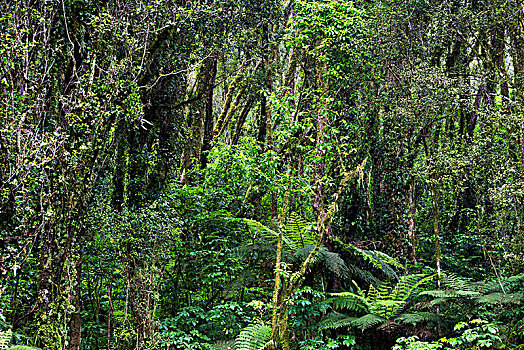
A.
pixel 299 237
pixel 372 258
pixel 378 305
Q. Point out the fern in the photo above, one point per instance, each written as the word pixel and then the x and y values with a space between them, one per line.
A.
pixel 223 345
pixel 449 293
pixel 266 234
pixel 375 259
pixel 417 317
pixel 331 262
pixel 254 337
pixel 492 291
pixel 364 275
pixel 5 339
pixel 337 320
pixel 379 305
pixel 367 321
pixel 297 233
pixel 387 301
pixel 349 301
pixel 302 253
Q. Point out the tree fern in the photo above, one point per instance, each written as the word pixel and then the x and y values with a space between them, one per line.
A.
pixel 337 320
pixel 297 232
pixel 223 345
pixel 362 274
pixel 376 259
pixel 367 321
pixel 351 302
pixel 500 298
pixel 379 305
pixel 331 262
pixel 417 317
pixel 254 337
pixel 300 231
pixel 264 233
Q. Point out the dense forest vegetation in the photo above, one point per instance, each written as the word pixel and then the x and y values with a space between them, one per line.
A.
pixel 261 174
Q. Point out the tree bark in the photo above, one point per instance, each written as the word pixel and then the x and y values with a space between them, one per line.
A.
pixel 208 124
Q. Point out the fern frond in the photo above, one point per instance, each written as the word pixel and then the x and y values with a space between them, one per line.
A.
pixel 296 234
pixel 376 259
pixel 364 275
pixel 334 263
pixel 381 292
pixel 498 284
pixel 456 282
pixel 438 301
pixel 301 254
pixel 367 321
pixel 373 293
pixel 500 298
pixel 300 231
pixel 414 318
pixel 254 337
pixel 491 291
pixel 350 301
pixel 265 233
pixel 262 250
pixel 408 284
pixel 387 307
pixel 223 345
pixel 336 320
pixel 450 293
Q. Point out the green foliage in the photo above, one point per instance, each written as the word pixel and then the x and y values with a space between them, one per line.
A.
pixel 379 305
pixel 297 233
pixel 345 341
pixel 307 306
pixel 327 31
pixel 5 339
pixel 372 258
pixel 195 327
pixel 254 337
pixel 121 204
pixel 491 291
pixel 413 343
pixel 476 334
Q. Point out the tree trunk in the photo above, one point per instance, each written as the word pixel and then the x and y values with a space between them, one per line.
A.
pixel 208 124
pixel 76 319
pixel 195 121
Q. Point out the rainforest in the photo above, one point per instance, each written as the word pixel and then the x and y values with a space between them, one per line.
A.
pixel 261 174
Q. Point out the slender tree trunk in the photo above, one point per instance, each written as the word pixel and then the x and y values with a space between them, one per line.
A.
pixel 76 319
pixel 241 121
pixel 195 121
pixel 208 124
pixel 438 252
pixel 410 205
